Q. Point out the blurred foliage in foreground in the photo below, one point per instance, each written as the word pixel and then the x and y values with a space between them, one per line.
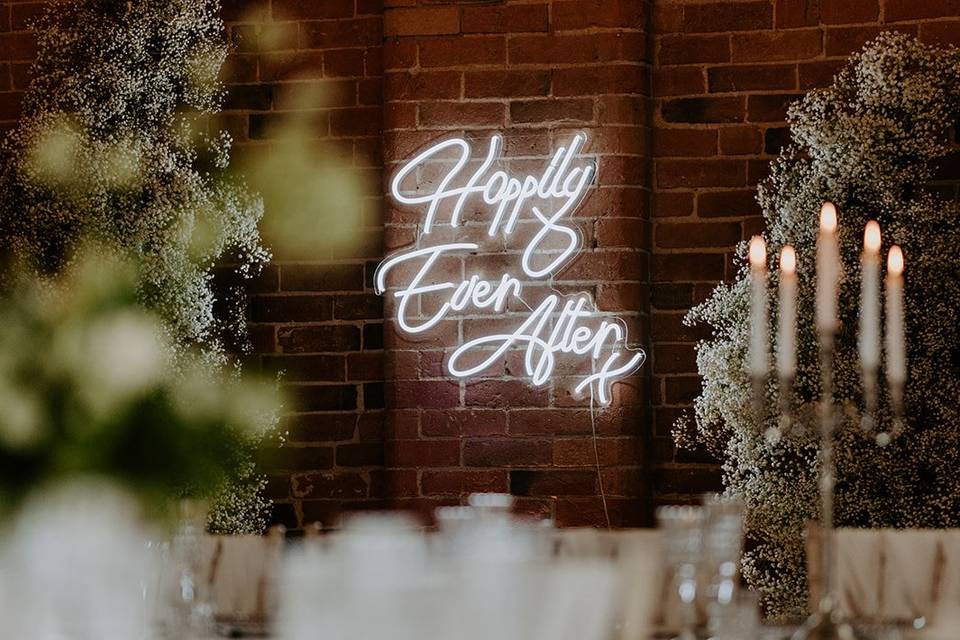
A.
pixel 118 144
pixel 89 385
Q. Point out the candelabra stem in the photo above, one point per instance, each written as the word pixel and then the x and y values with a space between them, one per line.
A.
pixel 786 406
pixel 868 421
pixel 827 623
pixel 759 394
pixel 827 481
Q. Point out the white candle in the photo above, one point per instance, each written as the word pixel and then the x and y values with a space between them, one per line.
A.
pixel 759 356
pixel 869 343
pixel 787 327
pixel 896 346
pixel 828 270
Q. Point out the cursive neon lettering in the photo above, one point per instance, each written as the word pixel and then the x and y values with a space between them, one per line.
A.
pixel 556 327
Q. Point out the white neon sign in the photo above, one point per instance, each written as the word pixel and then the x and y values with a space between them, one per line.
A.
pixel 552 329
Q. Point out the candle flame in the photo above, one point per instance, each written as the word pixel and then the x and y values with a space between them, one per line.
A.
pixel 895 261
pixel 758 252
pixel 828 217
pixel 788 260
pixel 871 237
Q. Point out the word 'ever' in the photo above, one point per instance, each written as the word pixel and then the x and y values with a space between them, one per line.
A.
pixel 557 326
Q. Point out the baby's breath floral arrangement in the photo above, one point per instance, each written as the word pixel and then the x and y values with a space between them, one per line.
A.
pixel 90 387
pixel 869 143
pixel 114 143
pixel 117 143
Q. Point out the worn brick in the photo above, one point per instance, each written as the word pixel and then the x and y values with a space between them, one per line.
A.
pixel 464 422
pixel 330 485
pixel 457 114
pixel 323 34
pixel 572 48
pixel 678 81
pixel 601 80
pixel 727 16
pixel 325 368
pixel 322 397
pixel 685 142
pixel 506 83
pixel 945 33
pixel 297 10
pixel 897 10
pixel 849 11
pixel 697 235
pixel 687 267
pixel 818 74
pixel 515 18
pixel 770 46
pixel 702 110
pixel 692 49
pixel 318 277
pixel 464 481
pixel 769 107
pixel 421 21
pixel 458 52
pixel 507 452
pixel 319 338
pixel 422 453
pixel 505 393
pixel 537 111
pixel 737 141
pixel 584 14
pixel 796 13
pixel 739 202
pixel 700 173
pixel 751 77
pixel 553 482
pixel 842 41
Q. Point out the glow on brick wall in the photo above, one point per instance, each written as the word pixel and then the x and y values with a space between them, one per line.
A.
pixel 483 210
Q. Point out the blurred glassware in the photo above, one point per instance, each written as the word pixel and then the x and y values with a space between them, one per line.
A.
pixel 739 619
pixel 73 566
pixel 185 605
pixel 722 546
pixel 495 562
pixel 682 539
pixel 373 580
pixel 485 574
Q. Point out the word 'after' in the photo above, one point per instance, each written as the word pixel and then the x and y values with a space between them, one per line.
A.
pixel 556 326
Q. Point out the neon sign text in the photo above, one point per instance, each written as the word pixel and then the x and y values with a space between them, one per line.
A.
pixel 557 326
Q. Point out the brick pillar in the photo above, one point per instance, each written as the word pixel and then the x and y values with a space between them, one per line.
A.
pixel 317 319
pixel 536 72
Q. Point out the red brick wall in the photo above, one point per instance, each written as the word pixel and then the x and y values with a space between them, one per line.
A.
pixel 537 72
pixel 724 73
pixel 679 155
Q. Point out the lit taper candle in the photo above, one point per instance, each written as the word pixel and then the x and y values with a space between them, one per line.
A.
pixel 759 334
pixel 869 342
pixel 895 338
pixel 828 271
pixel 787 315
pixel 869 335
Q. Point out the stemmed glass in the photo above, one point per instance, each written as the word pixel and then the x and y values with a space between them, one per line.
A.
pixel 681 530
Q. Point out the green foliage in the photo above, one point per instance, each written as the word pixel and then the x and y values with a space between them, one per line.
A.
pixel 116 143
pixel 91 385
pixel 869 144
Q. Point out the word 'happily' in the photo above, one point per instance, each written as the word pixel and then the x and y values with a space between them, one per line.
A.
pixel 556 326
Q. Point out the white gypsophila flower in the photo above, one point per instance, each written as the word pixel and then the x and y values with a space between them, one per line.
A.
pixel 118 142
pixel 868 143
pixel 123 358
